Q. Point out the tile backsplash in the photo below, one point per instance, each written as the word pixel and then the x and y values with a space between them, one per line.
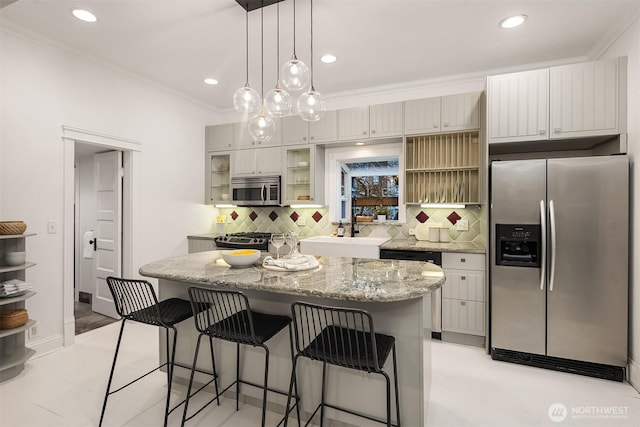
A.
pixel 314 222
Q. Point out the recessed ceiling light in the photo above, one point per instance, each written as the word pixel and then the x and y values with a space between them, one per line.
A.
pixel 328 58
pixel 211 81
pixel 513 21
pixel 84 15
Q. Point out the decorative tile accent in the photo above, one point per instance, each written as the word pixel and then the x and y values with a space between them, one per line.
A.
pixel 317 216
pixel 253 215
pixel 453 217
pixel 294 216
pixel 234 215
pixel 273 215
pixel 422 217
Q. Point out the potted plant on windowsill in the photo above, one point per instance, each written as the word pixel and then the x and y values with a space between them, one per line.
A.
pixel 382 212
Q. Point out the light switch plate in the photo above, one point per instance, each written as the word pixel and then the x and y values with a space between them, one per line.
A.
pixel 52 227
pixel 462 225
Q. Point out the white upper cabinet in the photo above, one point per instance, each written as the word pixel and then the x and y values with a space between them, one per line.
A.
pixel 584 99
pixel 219 137
pixel 385 120
pixel 244 140
pixel 518 106
pixel 325 129
pixel 257 161
pixel 353 124
pixel 460 112
pixel 422 116
pixel 295 131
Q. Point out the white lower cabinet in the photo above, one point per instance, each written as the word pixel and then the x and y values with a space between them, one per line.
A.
pixel 464 294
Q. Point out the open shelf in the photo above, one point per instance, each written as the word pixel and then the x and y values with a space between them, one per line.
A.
pixel 12 300
pixel 13 331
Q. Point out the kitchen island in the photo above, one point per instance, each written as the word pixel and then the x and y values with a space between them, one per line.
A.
pixel 390 290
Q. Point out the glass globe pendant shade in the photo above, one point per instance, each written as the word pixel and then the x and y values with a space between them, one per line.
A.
pixel 311 105
pixel 262 127
pixel 246 100
pixel 277 102
pixel 294 74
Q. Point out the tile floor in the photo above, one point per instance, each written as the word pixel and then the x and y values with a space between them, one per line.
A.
pixel 65 388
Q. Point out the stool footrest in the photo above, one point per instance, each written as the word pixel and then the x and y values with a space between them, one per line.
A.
pixel 348 411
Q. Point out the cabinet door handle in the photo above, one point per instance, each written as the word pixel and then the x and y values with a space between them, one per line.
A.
pixel 445 125
pixel 304 138
pixel 543 131
pixel 435 125
pixel 463 260
pixel 364 132
pixel 463 277
pixel 373 131
pixel 463 303
pixel 557 130
pixel 313 137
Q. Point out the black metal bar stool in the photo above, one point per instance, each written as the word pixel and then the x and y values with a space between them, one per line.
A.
pixel 136 300
pixel 343 337
pixel 226 315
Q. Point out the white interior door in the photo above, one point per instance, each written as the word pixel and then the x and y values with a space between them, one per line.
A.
pixel 108 230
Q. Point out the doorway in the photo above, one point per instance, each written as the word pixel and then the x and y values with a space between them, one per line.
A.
pixel 86 142
pixel 90 311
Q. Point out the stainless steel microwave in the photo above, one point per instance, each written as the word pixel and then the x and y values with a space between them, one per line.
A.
pixel 255 190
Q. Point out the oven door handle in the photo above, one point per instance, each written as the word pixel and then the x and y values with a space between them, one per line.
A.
pixel 543 243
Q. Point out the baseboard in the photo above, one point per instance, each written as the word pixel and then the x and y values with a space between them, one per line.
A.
pixel 46 345
pixel 634 374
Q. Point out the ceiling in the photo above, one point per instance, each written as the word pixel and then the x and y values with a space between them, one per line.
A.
pixel 178 43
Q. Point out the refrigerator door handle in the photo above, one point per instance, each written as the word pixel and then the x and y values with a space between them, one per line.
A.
pixel 552 227
pixel 543 243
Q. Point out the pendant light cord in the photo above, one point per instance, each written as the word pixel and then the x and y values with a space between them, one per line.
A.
pixel 278 44
pixel 312 45
pixel 294 28
pixel 246 26
pixel 262 51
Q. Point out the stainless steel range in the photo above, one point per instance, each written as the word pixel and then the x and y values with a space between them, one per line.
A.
pixel 248 240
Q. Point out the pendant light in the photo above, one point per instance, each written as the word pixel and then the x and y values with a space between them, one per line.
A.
pixel 295 74
pixel 262 127
pixel 277 103
pixel 246 99
pixel 311 104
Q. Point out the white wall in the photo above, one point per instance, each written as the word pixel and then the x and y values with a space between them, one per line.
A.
pixel 628 44
pixel 42 90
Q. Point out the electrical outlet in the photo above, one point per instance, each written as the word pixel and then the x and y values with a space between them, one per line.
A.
pixel 412 232
pixel 33 331
pixel 462 225
pixel 52 227
pixel 301 222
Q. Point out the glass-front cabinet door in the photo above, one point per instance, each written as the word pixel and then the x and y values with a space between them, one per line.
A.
pixel 303 175
pixel 218 178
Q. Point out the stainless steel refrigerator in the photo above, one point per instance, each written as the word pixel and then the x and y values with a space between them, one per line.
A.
pixel 559 260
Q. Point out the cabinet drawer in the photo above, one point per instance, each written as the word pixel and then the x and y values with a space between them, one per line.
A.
pixel 462 316
pixel 463 261
pixel 465 285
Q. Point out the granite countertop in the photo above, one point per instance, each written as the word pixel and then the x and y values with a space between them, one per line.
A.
pixel 349 279
pixel 423 245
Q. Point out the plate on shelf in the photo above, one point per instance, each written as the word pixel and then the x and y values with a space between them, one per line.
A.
pixel 17 294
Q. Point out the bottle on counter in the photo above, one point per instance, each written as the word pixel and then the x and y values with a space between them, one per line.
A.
pixel 340 229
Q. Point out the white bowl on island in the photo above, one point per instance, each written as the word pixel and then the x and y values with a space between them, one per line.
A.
pixel 241 257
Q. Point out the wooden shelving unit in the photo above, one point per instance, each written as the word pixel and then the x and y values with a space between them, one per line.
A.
pixel 443 168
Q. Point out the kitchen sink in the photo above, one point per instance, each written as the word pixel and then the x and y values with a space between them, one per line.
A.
pixel 354 247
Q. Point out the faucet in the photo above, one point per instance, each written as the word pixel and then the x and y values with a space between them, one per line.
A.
pixel 354 220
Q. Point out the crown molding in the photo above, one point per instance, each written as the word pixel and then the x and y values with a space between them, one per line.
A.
pixel 601 47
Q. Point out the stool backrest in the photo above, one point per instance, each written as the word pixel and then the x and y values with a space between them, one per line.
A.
pixel 224 314
pixel 135 300
pixel 342 336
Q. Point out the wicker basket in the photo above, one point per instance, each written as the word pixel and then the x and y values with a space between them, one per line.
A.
pixel 364 218
pixel 12 227
pixel 13 318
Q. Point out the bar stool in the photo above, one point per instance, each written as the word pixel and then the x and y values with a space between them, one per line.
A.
pixel 136 300
pixel 343 337
pixel 226 315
